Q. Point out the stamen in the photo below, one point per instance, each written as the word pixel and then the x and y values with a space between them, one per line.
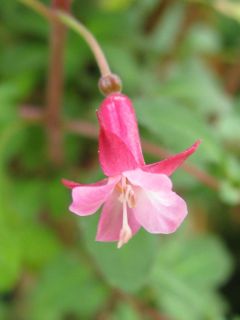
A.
pixel 126 232
pixel 131 199
pixel 127 199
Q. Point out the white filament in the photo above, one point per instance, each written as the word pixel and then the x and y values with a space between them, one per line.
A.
pixel 127 199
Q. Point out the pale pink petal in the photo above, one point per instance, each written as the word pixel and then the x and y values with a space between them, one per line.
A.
pixel 88 198
pixel 148 180
pixel 114 156
pixel 117 118
pixel 159 212
pixel 110 222
pixel 169 165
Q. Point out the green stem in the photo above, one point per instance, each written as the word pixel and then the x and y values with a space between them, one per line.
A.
pixel 39 7
pixel 75 25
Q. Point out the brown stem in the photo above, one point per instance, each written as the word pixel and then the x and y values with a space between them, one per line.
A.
pixel 140 306
pixel 61 5
pixel 55 85
pixel 89 130
pixel 233 78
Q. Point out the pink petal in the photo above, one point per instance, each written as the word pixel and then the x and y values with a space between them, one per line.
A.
pixel 110 222
pixel 148 180
pixel 169 165
pixel 118 121
pixel 159 212
pixel 88 198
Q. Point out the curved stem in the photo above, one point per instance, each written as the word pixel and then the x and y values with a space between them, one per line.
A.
pixel 75 25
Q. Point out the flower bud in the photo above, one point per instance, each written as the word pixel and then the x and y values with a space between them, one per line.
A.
pixel 110 84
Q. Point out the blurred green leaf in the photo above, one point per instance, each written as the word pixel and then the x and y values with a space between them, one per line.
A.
pixel 9 145
pixel 27 195
pixel 17 19
pixel 10 259
pixel 164 35
pixel 67 287
pixel 229 193
pixel 178 127
pixel 39 245
pixel 229 129
pixel 202 39
pixel 125 312
pixel 126 268
pixel 11 93
pixel 35 59
pixel 115 5
pixel 193 84
pixel 3 311
pixel 124 63
pixel 187 272
pixel 56 190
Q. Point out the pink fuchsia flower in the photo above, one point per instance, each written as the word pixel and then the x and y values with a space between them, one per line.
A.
pixel 134 194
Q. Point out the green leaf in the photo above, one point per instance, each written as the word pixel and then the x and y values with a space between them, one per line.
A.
pixel 125 312
pixel 186 275
pixel 229 129
pixel 194 85
pixel 229 193
pixel 56 190
pixel 67 286
pixel 202 39
pixel 115 5
pixel 3 311
pixel 126 268
pixel 124 63
pixel 178 127
pixel 10 258
pixel 27 193
pixel 39 245
pixel 8 142
pixel 35 56
pixel 164 36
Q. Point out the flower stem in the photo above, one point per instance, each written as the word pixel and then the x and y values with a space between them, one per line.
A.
pixel 75 25
pixel 72 23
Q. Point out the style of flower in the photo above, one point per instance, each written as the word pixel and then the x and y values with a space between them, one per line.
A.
pixel 134 194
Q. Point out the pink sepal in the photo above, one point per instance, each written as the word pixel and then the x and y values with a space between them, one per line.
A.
pixel 71 184
pixel 169 165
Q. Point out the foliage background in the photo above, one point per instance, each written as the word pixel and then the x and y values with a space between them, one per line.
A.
pixel 179 62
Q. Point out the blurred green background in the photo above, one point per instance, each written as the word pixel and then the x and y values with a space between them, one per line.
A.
pixel 179 62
